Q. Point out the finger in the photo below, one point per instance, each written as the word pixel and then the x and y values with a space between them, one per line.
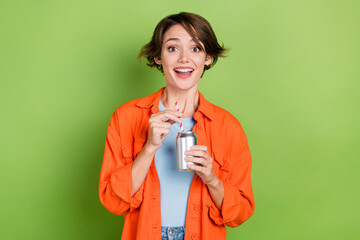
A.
pixel 196 153
pixel 199 147
pixel 170 121
pixel 161 130
pixel 196 160
pixel 178 114
pixel 160 125
pixel 164 115
pixel 166 118
pixel 159 120
pixel 156 128
pixel 197 168
pixel 172 117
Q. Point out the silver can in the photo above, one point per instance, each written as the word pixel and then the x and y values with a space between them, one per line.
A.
pixel 183 142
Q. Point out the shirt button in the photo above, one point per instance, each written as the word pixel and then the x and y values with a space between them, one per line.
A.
pixel 200 126
pixel 193 237
pixel 196 208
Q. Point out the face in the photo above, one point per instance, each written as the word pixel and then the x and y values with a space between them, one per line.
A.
pixel 182 59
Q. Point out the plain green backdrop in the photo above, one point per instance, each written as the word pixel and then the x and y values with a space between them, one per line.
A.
pixel 291 78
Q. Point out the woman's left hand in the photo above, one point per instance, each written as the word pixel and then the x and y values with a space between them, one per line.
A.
pixel 199 155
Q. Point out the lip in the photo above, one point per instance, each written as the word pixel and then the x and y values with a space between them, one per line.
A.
pixel 183 75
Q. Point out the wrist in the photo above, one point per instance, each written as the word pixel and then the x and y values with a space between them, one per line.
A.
pixel 214 183
pixel 150 149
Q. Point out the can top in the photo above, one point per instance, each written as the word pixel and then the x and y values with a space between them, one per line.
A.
pixel 187 134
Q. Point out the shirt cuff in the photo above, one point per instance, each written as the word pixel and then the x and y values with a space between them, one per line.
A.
pixel 230 207
pixel 121 185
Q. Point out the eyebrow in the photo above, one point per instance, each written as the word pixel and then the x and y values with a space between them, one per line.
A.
pixel 172 39
pixel 175 39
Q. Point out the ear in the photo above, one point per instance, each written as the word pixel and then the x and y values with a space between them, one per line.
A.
pixel 208 59
pixel 157 60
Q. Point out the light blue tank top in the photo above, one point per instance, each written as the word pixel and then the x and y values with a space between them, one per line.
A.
pixel 174 185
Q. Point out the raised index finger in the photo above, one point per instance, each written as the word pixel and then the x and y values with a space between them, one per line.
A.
pixel 168 114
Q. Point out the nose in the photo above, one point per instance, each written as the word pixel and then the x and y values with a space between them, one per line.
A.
pixel 183 57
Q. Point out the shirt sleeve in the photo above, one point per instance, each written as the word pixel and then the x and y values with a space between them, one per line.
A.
pixel 115 177
pixel 238 204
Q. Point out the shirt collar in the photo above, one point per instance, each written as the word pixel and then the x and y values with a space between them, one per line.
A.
pixel 152 101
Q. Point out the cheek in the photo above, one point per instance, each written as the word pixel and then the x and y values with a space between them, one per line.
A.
pixel 200 59
pixel 168 58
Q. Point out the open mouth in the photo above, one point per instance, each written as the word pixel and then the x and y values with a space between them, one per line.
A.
pixel 183 72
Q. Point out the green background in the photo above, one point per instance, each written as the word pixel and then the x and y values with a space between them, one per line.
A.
pixel 291 78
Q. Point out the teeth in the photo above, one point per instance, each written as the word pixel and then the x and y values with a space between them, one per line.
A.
pixel 184 70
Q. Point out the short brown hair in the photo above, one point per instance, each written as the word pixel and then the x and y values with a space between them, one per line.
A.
pixel 197 27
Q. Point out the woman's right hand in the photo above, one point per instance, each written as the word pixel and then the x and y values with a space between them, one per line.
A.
pixel 159 126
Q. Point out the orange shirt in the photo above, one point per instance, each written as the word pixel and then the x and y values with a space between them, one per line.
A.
pixel 227 145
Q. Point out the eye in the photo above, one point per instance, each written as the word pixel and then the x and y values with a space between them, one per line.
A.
pixel 172 49
pixel 196 49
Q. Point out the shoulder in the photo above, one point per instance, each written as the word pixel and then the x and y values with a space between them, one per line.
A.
pixel 224 118
pixel 217 115
pixel 137 106
pixel 129 107
pixel 228 131
pixel 125 111
pixel 130 119
pixel 128 114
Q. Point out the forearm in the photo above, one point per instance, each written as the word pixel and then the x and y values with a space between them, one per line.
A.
pixel 141 166
pixel 216 189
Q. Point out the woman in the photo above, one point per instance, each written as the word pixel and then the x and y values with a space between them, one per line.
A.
pixel 139 177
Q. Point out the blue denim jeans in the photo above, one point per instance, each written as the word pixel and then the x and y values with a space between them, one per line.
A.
pixel 172 233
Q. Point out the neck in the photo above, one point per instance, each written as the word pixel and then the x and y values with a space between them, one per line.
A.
pixel 188 100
